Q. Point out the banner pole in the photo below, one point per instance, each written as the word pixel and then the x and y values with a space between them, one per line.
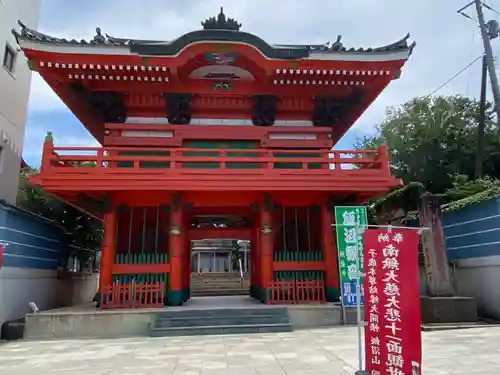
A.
pixel 359 319
pixel 344 315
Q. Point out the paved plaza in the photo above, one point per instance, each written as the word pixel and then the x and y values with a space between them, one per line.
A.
pixel 326 351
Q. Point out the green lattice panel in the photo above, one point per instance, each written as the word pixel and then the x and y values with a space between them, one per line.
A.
pixel 144 164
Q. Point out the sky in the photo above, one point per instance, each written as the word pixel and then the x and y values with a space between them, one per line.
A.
pixel 446 42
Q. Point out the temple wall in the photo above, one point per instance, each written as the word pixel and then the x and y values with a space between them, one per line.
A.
pixel 473 245
pixel 30 270
pixel 19 286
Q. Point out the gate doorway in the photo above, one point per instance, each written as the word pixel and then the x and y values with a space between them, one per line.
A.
pixel 220 256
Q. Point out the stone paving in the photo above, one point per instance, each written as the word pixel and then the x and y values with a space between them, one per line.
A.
pixel 319 352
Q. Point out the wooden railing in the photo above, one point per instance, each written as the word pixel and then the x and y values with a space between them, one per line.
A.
pixel 132 295
pixel 296 292
pixel 180 161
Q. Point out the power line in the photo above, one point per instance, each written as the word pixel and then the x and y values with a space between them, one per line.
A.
pixel 490 8
pixel 455 76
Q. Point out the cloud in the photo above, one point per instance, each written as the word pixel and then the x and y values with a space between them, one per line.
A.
pixel 43 98
pixel 65 128
pixel 446 41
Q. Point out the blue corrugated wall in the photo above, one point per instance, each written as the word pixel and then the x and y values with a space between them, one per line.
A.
pixel 474 231
pixel 33 241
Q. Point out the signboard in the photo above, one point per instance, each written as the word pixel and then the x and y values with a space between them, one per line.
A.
pixel 393 343
pixel 350 221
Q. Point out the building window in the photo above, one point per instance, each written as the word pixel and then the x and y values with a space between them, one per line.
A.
pixel 9 58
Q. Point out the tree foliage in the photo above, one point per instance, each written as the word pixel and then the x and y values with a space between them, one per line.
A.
pixel 433 139
pixel 85 232
pixel 432 142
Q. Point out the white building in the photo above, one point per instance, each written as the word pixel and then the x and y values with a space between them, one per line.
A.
pixel 15 81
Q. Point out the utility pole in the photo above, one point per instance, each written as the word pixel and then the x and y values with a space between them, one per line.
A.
pixel 482 120
pixel 489 31
pixel 488 53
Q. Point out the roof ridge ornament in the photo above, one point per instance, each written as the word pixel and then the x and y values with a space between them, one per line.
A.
pixel 221 22
pixel 99 38
pixel 337 46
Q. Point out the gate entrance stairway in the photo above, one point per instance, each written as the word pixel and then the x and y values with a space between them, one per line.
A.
pixel 220 321
pixel 219 284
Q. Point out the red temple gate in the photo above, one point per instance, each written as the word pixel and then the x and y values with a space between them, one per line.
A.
pixel 215 121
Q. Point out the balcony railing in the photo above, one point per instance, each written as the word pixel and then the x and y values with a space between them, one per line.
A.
pixel 266 167
pixel 184 160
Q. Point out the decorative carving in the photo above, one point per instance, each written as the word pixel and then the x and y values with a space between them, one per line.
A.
pixel 219 86
pixel 109 105
pixel 330 110
pixel 175 230
pixel 98 38
pixel 49 137
pixel 178 107
pixel 264 110
pixel 266 229
pixel 221 23
pixel 337 46
pixel 221 58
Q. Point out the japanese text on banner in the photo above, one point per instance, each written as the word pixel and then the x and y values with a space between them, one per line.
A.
pixel 392 334
pixel 351 221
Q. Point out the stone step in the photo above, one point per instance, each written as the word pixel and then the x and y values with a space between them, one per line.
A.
pixel 218 276
pixel 218 283
pixel 220 330
pixel 220 286
pixel 219 292
pixel 430 327
pixel 228 313
pixel 228 282
pixel 221 320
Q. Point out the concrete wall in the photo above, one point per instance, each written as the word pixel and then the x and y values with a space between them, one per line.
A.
pixel 14 93
pixel 77 289
pixel 473 245
pixel 31 266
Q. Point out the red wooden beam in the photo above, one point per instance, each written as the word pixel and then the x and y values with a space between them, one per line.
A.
pixel 248 52
pixel 182 133
pixel 127 269
pixel 220 233
pixel 224 210
pixel 298 266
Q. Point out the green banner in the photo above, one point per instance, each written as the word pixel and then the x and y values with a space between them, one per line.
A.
pixel 350 222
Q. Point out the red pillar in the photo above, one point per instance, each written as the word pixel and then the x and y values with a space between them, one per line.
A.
pixel 330 256
pixel 108 250
pixel 175 254
pixel 187 260
pixel 266 249
pixel 254 259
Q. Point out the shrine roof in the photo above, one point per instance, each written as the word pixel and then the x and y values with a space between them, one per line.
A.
pixel 220 29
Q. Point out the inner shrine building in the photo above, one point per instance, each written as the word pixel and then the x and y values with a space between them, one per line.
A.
pixel 217 123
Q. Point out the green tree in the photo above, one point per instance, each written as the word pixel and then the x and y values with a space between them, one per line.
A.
pixel 433 139
pixel 85 232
